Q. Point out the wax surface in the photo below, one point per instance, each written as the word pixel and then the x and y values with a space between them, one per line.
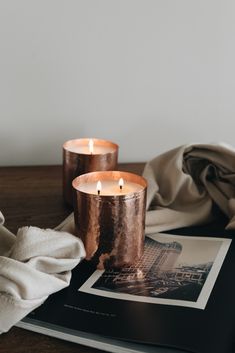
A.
pixel 84 148
pixel 110 188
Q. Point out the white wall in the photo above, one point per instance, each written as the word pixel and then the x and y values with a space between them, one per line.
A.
pixel 147 74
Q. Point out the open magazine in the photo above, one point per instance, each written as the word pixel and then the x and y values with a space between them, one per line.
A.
pixel 179 297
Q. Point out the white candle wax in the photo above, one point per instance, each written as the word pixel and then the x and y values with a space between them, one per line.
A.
pixel 110 188
pixel 83 148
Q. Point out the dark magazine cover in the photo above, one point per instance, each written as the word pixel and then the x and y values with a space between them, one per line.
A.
pixel 178 298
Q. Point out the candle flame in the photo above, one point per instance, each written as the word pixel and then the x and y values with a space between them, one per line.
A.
pixel 91 146
pixel 121 183
pixel 98 187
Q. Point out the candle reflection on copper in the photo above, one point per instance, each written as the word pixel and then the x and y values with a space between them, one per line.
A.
pixel 110 226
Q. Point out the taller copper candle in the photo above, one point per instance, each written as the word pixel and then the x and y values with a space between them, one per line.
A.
pixel 109 213
pixel 86 155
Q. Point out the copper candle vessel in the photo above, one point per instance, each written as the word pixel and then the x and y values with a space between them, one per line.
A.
pixel 111 226
pixel 77 160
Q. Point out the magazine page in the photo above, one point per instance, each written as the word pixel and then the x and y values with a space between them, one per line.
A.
pixel 180 290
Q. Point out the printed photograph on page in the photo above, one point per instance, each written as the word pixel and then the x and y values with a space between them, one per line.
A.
pixel 173 270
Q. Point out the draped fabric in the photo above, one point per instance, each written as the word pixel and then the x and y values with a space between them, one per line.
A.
pixel 184 184
pixel 33 264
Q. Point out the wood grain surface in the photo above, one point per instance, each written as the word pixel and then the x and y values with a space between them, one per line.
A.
pixel 33 196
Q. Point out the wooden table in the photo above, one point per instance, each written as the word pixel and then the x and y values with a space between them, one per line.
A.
pixel 33 196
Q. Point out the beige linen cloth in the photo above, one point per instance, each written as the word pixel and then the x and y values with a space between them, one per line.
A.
pixel 183 184
pixel 33 265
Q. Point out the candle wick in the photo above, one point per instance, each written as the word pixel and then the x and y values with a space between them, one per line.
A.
pixel 120 187
pixel 98 192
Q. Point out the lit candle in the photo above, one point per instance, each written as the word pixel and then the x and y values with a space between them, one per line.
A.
pixel 90 146
pixel 110 187
pixel 85 155
pixel 109 222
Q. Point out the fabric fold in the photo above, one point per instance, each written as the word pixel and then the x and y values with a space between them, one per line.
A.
pixel 184 184
pixel 33 264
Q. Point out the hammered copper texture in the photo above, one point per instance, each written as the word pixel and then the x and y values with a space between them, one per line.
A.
pixel 75 164
pixel 111 227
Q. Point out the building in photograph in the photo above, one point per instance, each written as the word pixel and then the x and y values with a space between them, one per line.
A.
pixel 196 273
pixel 155 274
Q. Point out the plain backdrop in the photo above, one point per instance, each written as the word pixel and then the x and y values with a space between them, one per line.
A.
pixel 147 74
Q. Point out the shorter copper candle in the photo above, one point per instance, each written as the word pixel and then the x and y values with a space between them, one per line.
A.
pixel 85 155
pixel 110 219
